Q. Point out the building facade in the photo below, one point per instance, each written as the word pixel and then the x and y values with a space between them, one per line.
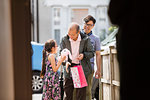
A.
pixel 54 16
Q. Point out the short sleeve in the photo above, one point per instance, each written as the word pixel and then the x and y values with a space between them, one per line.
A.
pixel 97 44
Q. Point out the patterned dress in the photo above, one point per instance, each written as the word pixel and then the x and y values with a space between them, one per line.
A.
pixel 51 86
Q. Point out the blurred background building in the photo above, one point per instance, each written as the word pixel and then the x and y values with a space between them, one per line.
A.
pixel 51 18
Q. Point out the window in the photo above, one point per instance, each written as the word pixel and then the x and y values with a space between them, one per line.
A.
pixel 57 35
pixel 56 24
pixel 102 22
pixel 77 15
pixel 102 14
pixel 56 16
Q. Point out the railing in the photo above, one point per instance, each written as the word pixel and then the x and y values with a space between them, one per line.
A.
pixel 110 81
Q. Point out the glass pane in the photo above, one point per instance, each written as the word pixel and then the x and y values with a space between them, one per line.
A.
pixel 57 35
pixel 56 16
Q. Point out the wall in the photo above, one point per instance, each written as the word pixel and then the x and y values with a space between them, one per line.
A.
pixel 6 53
pixel 45 27
pixel 15 52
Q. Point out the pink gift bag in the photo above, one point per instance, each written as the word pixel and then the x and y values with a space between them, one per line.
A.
pixel 78 77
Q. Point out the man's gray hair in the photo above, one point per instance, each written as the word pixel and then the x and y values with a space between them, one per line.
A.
pixel 74 25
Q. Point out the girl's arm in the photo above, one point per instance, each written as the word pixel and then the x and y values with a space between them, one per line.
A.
pixel 51 58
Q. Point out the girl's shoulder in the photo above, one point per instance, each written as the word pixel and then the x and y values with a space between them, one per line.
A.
pixel 51 56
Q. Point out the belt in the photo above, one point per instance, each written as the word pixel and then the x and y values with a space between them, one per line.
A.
pixel 73 64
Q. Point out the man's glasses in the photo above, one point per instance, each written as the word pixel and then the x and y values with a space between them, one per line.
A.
pixel 89 25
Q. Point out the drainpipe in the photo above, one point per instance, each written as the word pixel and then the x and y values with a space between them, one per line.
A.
pixel 37 3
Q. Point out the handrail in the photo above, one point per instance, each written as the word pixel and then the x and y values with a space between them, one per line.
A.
pixel 110 38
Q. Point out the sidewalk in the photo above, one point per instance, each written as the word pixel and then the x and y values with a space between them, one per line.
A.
pixel 36 96
pixel 39 97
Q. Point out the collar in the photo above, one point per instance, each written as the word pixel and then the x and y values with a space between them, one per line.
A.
pixel 79 38
pixel 88 33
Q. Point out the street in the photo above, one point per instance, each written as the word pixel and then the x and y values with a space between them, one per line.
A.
pixel 36 96
pixel 39 97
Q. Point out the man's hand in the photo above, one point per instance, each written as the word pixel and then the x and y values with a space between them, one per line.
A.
pixel 97 74
pixel 80 57
pixel 42 76
pixel 67 65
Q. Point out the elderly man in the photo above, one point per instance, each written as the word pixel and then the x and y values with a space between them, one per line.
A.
pixel 82 50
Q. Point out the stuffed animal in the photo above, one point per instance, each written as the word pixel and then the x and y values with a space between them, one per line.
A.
pixel 66 52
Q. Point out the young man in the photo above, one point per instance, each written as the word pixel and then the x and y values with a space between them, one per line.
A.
pixel 89 23
pixel 81 49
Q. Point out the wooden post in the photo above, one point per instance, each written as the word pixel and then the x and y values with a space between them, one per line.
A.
pixel 111 72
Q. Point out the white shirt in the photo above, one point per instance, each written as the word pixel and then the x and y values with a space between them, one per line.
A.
pixel 75 49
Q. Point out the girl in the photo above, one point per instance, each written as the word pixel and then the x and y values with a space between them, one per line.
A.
pixel 51 86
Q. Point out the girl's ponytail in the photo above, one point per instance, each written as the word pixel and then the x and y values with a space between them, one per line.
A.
pixel 43 63
pixel 47 48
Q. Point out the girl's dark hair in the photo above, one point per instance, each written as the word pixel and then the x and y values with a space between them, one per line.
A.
pixel 89 18
pixel 47 48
